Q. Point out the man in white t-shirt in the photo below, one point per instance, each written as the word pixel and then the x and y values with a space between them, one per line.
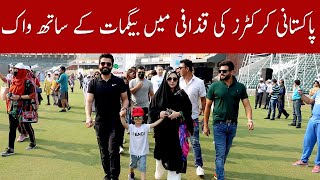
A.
pixel 139 144
pixel 196 90
pixel 268 95
pixel 157 79
pixel 261 88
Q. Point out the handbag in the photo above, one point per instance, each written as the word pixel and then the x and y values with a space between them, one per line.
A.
pixel 4 92
pixel 39 90
pixel 29 116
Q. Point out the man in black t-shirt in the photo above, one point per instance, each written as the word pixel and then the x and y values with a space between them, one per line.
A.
pixel 106 91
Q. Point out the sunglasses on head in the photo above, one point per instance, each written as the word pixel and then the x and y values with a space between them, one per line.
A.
pixel 138 118
pixel 106 63
pixel 223 71
pixel 174 79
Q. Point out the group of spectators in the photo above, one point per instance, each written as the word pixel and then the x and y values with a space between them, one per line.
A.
pixel 170 102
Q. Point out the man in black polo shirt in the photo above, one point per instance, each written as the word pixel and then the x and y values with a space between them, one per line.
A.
pixel 226 95
pixel 106 91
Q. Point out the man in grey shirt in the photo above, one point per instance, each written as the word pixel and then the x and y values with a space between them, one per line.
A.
pixel 142 90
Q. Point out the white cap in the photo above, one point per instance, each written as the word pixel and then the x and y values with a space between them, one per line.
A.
pixel 49 73
pixel 269 80
pixel 261 79
pixel 27 68
pixel 56 72
pixel 20 66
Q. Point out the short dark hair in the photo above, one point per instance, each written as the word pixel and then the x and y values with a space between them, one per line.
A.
pixel 281 80
pixel 141 68
pixel 63 68
pixel 227 63
pixel 297 82
pixel 188 63
pixel 274 80
pixel 153 72
pixel 108 55
pixel 316 82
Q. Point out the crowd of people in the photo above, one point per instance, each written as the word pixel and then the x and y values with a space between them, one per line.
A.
pixel 168 101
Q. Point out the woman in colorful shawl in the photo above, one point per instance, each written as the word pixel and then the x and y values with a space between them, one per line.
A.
pixel 171 135
pixel 21 96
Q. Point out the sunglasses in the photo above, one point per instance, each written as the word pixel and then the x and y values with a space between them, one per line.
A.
pixel 181 67
pixel 96 74
pixel 174 79
pixel 223 71
pixel 138 118
pixel 106 63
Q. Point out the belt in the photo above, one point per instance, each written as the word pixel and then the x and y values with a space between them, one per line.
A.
pixel 226 122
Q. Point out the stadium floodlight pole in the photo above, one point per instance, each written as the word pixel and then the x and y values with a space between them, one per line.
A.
pixel 297 66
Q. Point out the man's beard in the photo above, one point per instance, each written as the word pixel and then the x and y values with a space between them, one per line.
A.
pixel 105 71
pixel 226 77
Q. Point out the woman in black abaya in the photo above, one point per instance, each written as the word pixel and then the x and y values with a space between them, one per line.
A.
pixel 171 135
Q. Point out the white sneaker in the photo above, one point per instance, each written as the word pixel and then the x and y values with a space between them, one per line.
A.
pixel 121 150
pixel 199 171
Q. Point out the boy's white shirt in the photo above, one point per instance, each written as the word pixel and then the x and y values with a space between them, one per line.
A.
pixel 139 144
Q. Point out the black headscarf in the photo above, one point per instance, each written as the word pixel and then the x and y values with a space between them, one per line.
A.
pixel 164 98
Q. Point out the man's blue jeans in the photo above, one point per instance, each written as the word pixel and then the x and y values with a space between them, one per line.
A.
pixel 196 144
pixel 297 111
pixel 311 136
pixel 272 108
pixel 223 135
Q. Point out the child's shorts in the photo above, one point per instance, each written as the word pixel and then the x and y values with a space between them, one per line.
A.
pixel 139 162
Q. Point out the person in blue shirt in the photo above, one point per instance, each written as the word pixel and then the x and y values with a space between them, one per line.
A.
pixel 63 93
pixel 296 98
pixel 312 134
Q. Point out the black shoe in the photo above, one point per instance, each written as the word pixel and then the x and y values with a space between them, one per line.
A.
pixel 31 146
pixel 267 118
pixel 279 116
pixel 287 116
pixel 298 125
pixel 272 119
pixel 69 108
pixel 7 152
pixel 292 124
pixel 131 176
pixel 63 110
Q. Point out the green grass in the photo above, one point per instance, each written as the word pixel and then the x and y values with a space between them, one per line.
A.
pixel 68 150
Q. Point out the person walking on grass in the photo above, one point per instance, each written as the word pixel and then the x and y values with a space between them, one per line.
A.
pixel 139 144
pixel 226 95
pixel 312 134
pixel 107 91
pixel 21 96
pixel 63 93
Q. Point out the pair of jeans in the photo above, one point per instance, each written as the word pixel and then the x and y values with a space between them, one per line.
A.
pixel 297 111
pixel 281 108
pixel 272 108
pixel 266 105
pixel 108 141
pixel 311 136
pixel 223 135
pixel 259 99
pixel 196 144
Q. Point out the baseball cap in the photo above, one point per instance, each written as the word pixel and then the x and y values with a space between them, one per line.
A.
pixel 261 79
pixel 137 111
pixel 20 66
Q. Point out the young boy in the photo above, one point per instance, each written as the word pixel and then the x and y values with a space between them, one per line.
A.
pixel 139 145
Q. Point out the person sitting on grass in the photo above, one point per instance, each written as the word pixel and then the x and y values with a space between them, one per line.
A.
pixel 139 145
